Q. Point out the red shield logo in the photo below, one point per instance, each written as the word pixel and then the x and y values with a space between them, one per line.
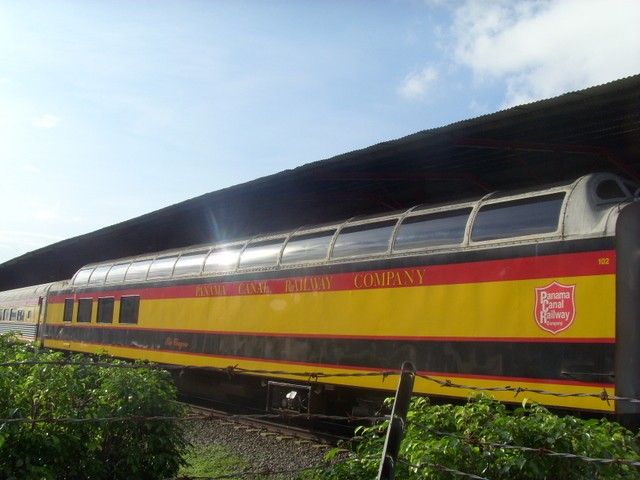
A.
pixel 555 307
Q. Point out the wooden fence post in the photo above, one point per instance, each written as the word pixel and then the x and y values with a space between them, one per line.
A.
pixel 397 424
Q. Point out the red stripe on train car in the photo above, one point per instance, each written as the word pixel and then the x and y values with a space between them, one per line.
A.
pixel 550 266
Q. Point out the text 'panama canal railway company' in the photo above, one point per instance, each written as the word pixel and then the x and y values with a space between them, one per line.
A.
pixel 409 277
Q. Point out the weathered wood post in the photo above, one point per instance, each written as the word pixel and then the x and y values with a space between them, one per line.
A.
pixel 397 424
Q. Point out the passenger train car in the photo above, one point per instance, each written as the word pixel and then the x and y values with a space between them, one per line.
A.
pixel 535 289
pixel 21 311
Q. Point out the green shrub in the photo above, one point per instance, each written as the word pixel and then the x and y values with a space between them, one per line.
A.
pixel 472 438
pixel 100 449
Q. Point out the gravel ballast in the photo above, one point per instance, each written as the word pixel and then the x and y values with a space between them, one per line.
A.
pixel 264 451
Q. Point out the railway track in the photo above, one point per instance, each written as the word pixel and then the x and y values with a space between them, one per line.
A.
pixel 263 446
pixel 266 442
pixel 280 427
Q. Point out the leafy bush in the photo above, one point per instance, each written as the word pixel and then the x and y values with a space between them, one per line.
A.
pixel 473 438
pixel 98 449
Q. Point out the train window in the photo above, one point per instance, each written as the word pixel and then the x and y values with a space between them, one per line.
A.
pixel 190 263
pixel 117 272
pixel 162 267
pixel 84 310
pixel 82 277
pixel 105 310
pixel 129 308
pixel 307 247
pixel 99 274
pixel 610 190
pixel 222 260
pixel 14 315
pixel 632 187
pixel 138 270
pixel 67 314
pixel 261 254
pixel 364 239
pixel 21 315
pixel 517 218
pixel 443 228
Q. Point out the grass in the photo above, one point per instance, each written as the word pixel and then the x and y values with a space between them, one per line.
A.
pixel 216 460
pixel 211 461
pixel 205 458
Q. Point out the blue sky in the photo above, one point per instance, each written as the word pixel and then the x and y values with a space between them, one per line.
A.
pixel 113 109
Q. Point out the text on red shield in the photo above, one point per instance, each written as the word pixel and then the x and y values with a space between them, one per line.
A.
pixel 555 307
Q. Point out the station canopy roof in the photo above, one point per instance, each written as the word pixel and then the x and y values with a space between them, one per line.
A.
pixel 596 129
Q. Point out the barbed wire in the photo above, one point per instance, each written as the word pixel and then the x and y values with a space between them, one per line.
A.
pixel 190 418
pixel 540 450
pixel 603 395
pixel 231 369
pixel 315 376
pixel 286 415
pixel 130 418
pixel 36 363
pixel 442 468
pixel 312 376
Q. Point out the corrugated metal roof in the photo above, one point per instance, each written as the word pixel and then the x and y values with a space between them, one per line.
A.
pixel 596 129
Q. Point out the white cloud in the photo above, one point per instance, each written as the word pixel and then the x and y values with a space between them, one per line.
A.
pixel 544 48
pixel 46 121
pixel 417 85
pixel 50 213
pixel 46 214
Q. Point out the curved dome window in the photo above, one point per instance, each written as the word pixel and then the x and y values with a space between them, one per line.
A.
pixel 82 277
pixel 190 263
pixel 307 247
pixel 436 229
pixel 261 254
pixel 365 239
pixel 162 267
pixel 222 260
pixel 138 270
pixel 518 218
pixel 610 189
pixel 117 272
